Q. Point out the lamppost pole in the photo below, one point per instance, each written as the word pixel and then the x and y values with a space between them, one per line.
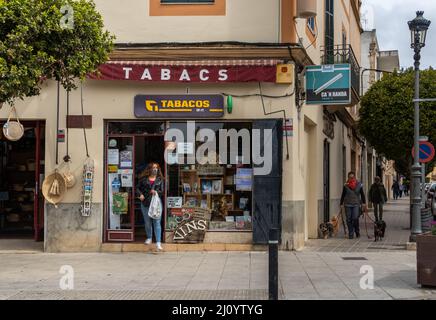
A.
pixel 418 28
pixel 416 168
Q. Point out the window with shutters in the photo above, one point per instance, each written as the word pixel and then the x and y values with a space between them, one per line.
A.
pixel 187 7
pixel 187 1
pixel 329 31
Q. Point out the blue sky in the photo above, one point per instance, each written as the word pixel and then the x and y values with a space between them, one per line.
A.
pixel 390 18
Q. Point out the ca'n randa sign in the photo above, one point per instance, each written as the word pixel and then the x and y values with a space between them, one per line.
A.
pixel 184 74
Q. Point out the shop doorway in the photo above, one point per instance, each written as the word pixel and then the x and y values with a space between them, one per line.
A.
pixel 130 146
pixel 21 174
pixel 148 149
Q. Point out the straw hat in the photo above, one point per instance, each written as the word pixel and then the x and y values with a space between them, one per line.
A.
pixel 54 188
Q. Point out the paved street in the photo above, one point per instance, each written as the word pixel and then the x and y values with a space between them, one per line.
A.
pixel 326 269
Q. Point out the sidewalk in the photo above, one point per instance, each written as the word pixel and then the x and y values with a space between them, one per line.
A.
pixel 397 217
pixel 209 275
pixel 326 269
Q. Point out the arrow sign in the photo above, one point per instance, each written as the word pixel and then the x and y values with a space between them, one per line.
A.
pixel 426 152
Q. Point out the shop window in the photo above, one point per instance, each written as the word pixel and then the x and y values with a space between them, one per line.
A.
pixel 223 188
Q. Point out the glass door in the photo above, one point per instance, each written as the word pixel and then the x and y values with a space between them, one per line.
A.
pixel 120 197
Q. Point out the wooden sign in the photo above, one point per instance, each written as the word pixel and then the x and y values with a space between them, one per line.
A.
pixel 79 122
pixel 192 225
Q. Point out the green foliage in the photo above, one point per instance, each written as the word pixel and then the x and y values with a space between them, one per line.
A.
pixel 387 115
pixel 35 44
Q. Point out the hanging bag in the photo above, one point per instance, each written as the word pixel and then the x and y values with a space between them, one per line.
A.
pixel 68 174
pixel 13 130
pixel 155 209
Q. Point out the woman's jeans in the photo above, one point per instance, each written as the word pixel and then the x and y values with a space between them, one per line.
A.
pixel 151 224
pixel 353 220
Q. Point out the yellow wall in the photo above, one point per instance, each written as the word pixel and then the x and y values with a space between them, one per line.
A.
pixel 260 25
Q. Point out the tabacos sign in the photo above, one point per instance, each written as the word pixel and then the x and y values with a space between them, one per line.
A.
pixel 179 106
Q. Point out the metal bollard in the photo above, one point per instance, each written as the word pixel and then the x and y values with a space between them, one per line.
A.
pixel 273 244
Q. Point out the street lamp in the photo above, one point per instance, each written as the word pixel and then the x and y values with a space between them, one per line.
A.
pixel 418 30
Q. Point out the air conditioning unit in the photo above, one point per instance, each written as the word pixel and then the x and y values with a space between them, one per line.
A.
pixel 306 8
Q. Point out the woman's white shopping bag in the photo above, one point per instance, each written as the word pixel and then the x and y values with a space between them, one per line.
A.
pixel 155 209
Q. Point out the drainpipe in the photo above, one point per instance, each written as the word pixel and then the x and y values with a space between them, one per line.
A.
pixel 364 170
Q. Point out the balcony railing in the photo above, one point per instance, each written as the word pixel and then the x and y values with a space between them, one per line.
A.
pixel 343 54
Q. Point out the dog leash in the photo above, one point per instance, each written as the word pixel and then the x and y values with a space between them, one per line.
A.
pixel 366 214
pixel 341 213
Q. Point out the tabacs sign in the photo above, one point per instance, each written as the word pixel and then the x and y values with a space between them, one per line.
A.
pixel 179 106
pixel 328 84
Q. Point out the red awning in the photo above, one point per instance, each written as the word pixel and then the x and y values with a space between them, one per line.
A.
pixel 233 62
pixel 190 71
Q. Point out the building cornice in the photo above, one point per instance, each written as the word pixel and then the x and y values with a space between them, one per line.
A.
pixel 216 50
pixel 355 5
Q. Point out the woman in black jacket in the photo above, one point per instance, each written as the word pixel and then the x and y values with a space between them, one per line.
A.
pixel 152 182
pixel 352 198
pixel 378 197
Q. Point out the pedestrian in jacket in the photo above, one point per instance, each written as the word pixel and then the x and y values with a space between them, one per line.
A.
pixel 377 195
pixel 352 198
pixel 396 189
pixel 152 182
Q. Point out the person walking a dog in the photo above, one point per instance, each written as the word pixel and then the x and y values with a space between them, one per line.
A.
pixel 378 197
pixel 352 198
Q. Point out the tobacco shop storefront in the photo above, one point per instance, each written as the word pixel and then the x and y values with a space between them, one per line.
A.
pixel 203 122
pixel 216 190
pixel 221 158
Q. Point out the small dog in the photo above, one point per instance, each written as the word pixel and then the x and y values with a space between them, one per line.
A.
pixel 326 229
pixel 329 229
pixel 335 224
pixel 379 230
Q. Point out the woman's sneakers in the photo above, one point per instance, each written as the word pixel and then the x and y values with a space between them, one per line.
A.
pixel 147 242
pixel 159 246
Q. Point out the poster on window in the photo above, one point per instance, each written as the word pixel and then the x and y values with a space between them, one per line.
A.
pixel 174 202
pixel 113 157
pixel 185 148
pixel 126 159
pixel 114 186
pixel 120 202
pixel 244 179
pixel 127 180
